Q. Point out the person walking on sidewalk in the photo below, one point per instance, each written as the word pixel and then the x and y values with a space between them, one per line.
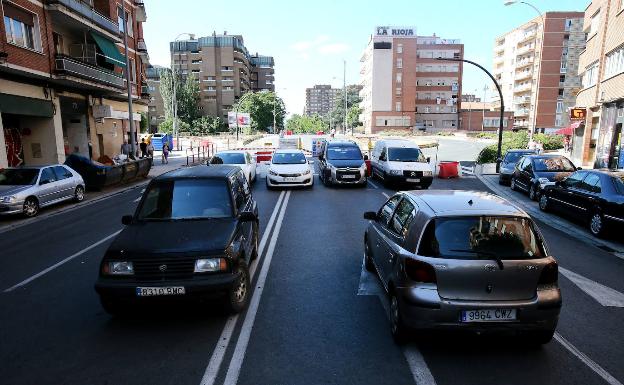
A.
pixel 165 153
pixel 143 147
pixel 150 150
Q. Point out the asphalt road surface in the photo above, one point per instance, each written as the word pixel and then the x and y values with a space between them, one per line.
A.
pixel 315 317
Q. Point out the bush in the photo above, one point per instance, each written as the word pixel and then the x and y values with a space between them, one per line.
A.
pixel 550 142
pixel 511 140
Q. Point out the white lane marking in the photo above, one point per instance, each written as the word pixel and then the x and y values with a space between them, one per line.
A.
pixel 49 269
pixel 236 362
pixel 374 184
pixel 137 200
pixel 587 361
pixel 386 195
pixel 601 293
pixel 212 370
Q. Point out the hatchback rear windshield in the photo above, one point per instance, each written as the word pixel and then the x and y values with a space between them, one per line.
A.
pixel 556 164
pixel 232 157
pixel 513 157
pixel 481 238
pixel 23 177
pixel 288 158
pixel 344 153
pixel 186 199
pixel 405 155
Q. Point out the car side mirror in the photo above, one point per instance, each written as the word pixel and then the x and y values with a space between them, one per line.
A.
pixel 428 159
pixel 370 215
pixel 247 216
pixel 126 220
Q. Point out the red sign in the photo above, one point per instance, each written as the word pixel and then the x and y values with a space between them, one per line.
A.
pixel 578 114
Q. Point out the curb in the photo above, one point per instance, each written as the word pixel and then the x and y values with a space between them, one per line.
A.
pixel 556 222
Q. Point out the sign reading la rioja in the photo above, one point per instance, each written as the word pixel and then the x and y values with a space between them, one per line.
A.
pixel 396 31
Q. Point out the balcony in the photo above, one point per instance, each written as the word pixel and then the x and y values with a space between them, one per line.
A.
pixel 522 100
pixel 81 11
pixel 141 15
pixel 142 49
pixel 145 92
pixel 521 112
pixel 526 74
pixel 525 49
pixel 528 36
pixel 499 59
pixel 68 65
pixel 522 88
pixel 524 62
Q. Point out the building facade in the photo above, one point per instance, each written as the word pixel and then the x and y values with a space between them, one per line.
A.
pixel 320 99
pixel 480 119
pixel 598 142
pixel 62 79
pixel 405 87
pixel 224 69
pixel 521 58
pixel 156 107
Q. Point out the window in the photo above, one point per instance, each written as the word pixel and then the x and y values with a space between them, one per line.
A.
pixel 614 63
pixel 397 106
pixel 399 63
pixel 568 24
pixel 594 23
pixel 398 91
pixel 559 107
pixel 575 179
pixel 386 211
pixel 590 76
pixel 21 27
pixel 47 176
pixel 399 77
pixel 402 217
pixel 62 173
pixel 558 120
pixel 560 92
pixel 128 22
pixel 399 48
pixel 592 183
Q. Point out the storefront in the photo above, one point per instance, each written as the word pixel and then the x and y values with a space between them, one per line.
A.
pixel 609 147
pixel 112 125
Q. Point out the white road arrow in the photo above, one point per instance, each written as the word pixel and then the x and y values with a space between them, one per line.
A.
pixel 601 293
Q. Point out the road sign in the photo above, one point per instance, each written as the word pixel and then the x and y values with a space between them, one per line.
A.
pixel 244 120
pixel 578 113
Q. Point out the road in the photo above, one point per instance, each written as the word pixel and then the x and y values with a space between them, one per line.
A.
pixel 316 317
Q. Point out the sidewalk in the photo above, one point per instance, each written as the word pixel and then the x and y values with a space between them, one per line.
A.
pixel 553 220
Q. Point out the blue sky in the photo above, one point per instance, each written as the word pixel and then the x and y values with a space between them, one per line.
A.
pixel 310 39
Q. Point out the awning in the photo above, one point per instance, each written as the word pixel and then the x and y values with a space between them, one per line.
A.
pixel 22 105
pixel 111 53
pixel 569 131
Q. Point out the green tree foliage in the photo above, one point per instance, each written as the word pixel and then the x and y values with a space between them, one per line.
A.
pixel 144 127
pixel 207 125
pixel 353 101
pixel 187 95
pixel 259 105
pixel 167 126
pixel 302 124
pixel 514 140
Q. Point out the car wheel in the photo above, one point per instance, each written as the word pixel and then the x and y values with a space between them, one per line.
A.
pixel 397 327
pixel 79 194
pixel 238 295
pixel 254 252
pixel 368 262
pixel 113 307
pixel 31 207
pixel 539 337
pixel 533 193
pixel 596 224
pixel 513 184
pixel 543 202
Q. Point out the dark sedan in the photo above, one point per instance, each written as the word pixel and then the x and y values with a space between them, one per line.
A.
pixel 508 165
pixel 534 172
pixel 595 196
pixel 193 235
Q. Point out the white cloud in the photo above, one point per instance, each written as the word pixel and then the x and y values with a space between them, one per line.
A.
pixel 332 48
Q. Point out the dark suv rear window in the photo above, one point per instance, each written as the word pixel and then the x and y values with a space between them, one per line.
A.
pixel 481 237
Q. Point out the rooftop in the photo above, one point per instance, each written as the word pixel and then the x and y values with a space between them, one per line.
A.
pixel 458 202
pixel 212 171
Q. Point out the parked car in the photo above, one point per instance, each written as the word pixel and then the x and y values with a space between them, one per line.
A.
pixel 595 196
pixel 534 172
pixel 25 190
pixel 462 260
pixel 341 162
pixel 508 165
pixel 193 236
pixel 289 168
pixel 242 159
pixel 401 161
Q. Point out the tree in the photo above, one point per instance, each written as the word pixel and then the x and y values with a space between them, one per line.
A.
pixel 144 127
pixel 208 125
pixel 302 124
pixel 167 126
pixel 353 116
pixel 187 95
pixel 259 105
pixel 353 99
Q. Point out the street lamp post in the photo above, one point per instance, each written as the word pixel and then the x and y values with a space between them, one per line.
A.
pixel 240 101
pixel 174 101
pixel 539 63
pixel 128 85
pixel 502 111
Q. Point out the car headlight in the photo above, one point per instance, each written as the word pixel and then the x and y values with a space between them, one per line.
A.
pixel 306 172
pixel 206 265
pixel 543 180
pixel 118 268
pixel 271 172
pixel 395 172
pixel 427 173
pixel 8 199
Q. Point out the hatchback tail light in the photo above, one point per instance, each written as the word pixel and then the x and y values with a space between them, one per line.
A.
pixel 550 274
pixel 420 271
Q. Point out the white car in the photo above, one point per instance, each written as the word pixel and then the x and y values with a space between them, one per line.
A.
pixel 242 159
pixel 289 168
pixel 401 161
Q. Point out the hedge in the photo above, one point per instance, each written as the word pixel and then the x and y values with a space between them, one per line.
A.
pixel 514 140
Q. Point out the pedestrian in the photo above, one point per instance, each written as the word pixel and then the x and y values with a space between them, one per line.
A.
pixel 539 146
pixel 150 150
pixel 126 148
pixel 143 147
pixel 566 143
pixel 333 132
pixel 165 153
pixel 532 144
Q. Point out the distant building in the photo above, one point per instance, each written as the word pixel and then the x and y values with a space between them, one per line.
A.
pixel 320 99
pixel 405 87
pixel 470 98
pixel 224 69
pixel 156 108
pixel 518 57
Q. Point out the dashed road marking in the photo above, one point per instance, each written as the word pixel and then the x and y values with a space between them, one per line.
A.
pixel 374 184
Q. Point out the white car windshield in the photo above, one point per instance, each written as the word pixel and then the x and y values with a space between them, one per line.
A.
pixel 289 158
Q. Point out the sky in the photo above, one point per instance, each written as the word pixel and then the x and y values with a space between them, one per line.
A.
pixel 310 39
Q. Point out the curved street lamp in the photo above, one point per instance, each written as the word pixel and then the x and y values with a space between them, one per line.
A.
pixel 174 101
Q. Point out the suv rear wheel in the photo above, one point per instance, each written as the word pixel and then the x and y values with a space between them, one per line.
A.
pixel 238 295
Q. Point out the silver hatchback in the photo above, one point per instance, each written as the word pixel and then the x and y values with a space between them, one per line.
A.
pixel 462 260
pixel 25 190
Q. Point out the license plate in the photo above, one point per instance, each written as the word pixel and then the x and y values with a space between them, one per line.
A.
pixel 290 179
pixel 154 291
pixel 411 180
pixel 488 315
pixel 348 177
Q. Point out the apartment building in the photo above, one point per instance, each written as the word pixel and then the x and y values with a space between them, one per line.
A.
pixel 598 142
pixel 62 79
pixel 156 107
pixel 539 79
pixel 224 69
pixel 405 87
pixel 321 99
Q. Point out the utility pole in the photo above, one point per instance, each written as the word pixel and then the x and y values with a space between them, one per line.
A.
pixel 485 88
pixel 344 84
pixel 128 84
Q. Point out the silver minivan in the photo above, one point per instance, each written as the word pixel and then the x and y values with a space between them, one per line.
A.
pixel 464 260
pixel 401 161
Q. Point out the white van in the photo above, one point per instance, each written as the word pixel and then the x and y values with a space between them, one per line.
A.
pixel 401 161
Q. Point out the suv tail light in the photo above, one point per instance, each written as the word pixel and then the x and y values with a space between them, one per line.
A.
pixel 420 271
pixel 550 274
